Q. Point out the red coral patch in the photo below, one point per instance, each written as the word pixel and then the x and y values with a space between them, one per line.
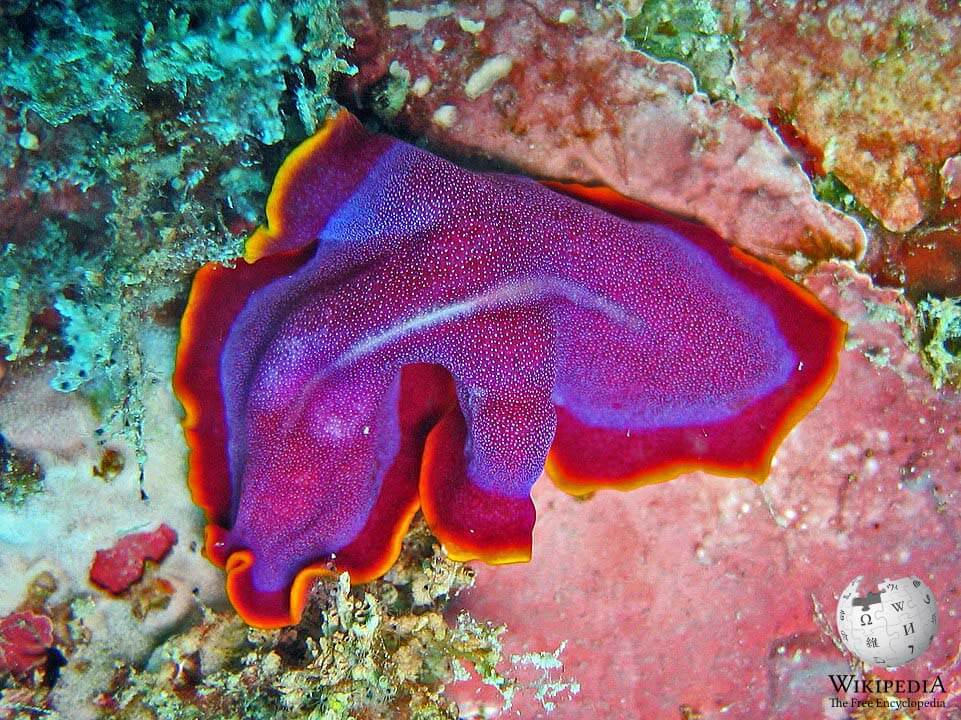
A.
pixel 119 567
pixel 24 641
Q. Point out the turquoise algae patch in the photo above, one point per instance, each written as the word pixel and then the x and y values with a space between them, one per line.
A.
pixel 125 170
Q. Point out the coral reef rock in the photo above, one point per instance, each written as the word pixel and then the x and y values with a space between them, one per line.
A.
pixel 872 87
pixel 58 531
pixel 549 88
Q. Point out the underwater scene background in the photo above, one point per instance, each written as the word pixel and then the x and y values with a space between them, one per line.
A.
pixel 140 142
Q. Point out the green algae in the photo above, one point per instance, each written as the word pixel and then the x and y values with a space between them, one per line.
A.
pixel 75 64
pixel 139 147
pixel 691 33
pixel 384 650
pixel 20 477
pixel 391 93
pixel 547 688
pixel 935 336
pixel 830 189
pixel 888 313
pixel 940 322
pixel 256 42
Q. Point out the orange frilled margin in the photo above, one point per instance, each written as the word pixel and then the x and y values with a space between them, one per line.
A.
pixel 217 296
pixel 376 548
pixel 472 524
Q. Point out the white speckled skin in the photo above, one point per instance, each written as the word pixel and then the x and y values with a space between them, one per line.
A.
pixel 531 299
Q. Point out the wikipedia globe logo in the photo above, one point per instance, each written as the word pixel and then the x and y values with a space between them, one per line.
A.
pixel 889 626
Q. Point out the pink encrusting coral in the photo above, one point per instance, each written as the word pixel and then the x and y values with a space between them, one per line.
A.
pixel 119 567
pixel 549 88
pixel 872 86
pixel 25 638
pixel 872 91
pixel 552 88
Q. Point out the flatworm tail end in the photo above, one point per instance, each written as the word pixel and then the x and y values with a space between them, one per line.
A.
pixel 259 608
pixel 313 182
pixel 426 394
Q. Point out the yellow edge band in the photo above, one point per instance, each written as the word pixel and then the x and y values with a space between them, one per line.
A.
pixel 259 243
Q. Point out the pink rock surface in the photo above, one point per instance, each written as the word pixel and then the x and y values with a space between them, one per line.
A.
pixel 569 101
pixel 705 591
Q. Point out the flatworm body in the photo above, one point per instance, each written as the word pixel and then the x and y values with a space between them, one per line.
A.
pixel 407 334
